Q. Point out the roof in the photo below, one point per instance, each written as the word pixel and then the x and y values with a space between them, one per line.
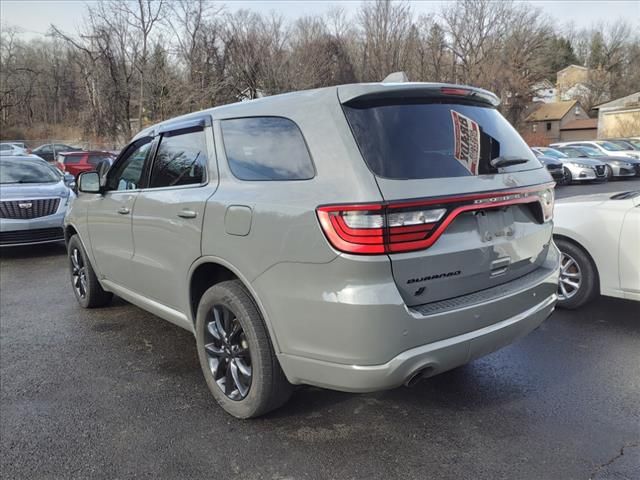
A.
pixel 580 67
pixel 619 102
pixel 582 124
pixel 551 111
pixel 304 100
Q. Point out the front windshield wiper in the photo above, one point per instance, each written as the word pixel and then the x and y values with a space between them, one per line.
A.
pixel 499 162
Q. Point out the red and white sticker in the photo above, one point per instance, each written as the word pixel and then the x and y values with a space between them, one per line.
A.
pixel 466 134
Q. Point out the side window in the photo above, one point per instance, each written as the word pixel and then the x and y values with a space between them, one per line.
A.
pixel 180 159
pixel 96 159
pixel 69 159
pixel 128 172
pixel 266 148
pixel 46 149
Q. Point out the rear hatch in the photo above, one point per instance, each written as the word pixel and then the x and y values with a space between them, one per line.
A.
pixel 467 206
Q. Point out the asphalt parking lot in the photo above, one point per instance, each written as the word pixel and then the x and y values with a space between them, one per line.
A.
pixel 118 393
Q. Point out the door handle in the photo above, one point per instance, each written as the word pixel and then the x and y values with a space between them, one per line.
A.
pixel 187 214
pixel 123 211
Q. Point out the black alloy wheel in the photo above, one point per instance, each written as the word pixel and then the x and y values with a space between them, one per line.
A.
pixel 228 353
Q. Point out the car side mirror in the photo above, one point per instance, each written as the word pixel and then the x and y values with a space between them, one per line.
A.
pixel 89 182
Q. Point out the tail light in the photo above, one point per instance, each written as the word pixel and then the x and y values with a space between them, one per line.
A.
pixel 408 226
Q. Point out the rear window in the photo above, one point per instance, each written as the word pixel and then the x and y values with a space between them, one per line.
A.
pixel 435 140
pixel 96 159
pixel 266 148
pixel 71 159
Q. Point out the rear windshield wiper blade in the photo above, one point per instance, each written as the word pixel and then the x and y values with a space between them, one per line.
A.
pixel 507 161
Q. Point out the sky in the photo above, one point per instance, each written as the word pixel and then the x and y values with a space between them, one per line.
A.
pixel 35 16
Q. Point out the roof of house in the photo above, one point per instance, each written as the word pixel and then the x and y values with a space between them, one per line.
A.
pixel 619 102
pixel 551 111
pixel 581 124
pixel 580 67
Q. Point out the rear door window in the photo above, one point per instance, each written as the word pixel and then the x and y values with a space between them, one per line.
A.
pixel 71 159
pixel 266 148
pixel 180 159
pixel 96 159
pixel 435 140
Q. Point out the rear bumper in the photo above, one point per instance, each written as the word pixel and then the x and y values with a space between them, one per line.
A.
pixel 337 332
pixel 426 360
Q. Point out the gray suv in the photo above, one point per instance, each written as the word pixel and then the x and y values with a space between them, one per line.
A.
pixel 357 238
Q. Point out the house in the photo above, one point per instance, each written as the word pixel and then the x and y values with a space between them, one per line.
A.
pixel 619 117
pixel 544 92
pixel 555 122
pixel 571 81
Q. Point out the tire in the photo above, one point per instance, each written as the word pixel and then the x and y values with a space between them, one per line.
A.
pixel 568 178
pixel 587 279
pixel 84 281
pixel 227 312
pixel 609 175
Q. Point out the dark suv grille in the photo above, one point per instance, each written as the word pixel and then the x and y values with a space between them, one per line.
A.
pixel 600 169
pixel 31 236
pixel 26 209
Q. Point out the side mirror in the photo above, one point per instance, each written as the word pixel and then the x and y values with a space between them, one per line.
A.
pixel 89 182
pixel 69 179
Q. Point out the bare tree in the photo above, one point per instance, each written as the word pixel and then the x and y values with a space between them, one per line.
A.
pixel 142 16
pixel 385 27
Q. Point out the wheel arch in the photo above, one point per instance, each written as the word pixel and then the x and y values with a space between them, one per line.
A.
pixel 69 231
pixel 207 272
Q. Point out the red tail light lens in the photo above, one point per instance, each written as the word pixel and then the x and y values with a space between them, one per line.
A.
pixel 404 227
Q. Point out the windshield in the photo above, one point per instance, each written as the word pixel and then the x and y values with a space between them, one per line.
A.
pixel 612 147
pixel 552 152
pixel 26 172
pixel 436 140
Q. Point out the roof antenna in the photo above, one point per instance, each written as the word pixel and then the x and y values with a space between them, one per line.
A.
pixel 396 77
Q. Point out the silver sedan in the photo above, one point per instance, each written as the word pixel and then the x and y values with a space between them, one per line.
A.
pixel 34 200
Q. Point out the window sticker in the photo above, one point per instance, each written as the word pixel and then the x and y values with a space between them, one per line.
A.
pixel 466 135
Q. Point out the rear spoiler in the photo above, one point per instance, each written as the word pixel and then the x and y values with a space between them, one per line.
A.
pixel 362 93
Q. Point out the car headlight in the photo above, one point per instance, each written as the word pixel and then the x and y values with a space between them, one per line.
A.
pixel 577 165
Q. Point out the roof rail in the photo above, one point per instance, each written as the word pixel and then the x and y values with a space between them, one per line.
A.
pixel 396 77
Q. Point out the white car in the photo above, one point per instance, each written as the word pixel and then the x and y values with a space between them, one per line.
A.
pixel 11 149
pixel 599 238
pixel 603 146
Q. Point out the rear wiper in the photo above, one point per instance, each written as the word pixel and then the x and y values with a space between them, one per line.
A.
pixel 499 162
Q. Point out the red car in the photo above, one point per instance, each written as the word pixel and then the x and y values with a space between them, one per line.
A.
pixel 78 162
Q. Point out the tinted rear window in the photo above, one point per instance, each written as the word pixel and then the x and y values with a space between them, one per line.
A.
pixel 266 148
pixel 70 159
pixel 435 140
pixel 96 159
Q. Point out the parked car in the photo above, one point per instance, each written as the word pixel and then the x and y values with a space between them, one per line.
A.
pixel 576 169
pixel 606 148
pixel 624 143
pixel 618 166
pixel 33 201
pixel 554 167
pixel 82 161
pixel 598 238
pixel 50 151
pixel 12 149
pixel 322 238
